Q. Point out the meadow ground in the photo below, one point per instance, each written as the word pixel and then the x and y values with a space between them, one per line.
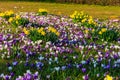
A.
pixel 66 9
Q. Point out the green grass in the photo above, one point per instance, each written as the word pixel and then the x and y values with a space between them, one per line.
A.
pixel 66 9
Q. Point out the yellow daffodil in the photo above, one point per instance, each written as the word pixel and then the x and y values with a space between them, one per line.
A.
pixel 86 31
pixel 43 33
pixel 17 17
pixel 90 21
pixel 82 13
pixel 108 77
pixel 2 14
pixel 10 19
pixel 90 17
pixel 26 31
pixel 74 14
pixel 16 22
pixel 103 29
pixel 40 30
pixel 53 30
pixel 93 30
pixel 100 32
pixel 9 13
pixel 83 20
pixel 42 10
pixel 57 33
pixel 94 23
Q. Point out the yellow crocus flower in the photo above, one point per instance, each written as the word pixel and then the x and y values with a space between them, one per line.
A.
pixel 93 30
pixel 90 17
pixel 2 14
pixel 40 30
pixel 16 22
pixel 42 10
pixel 83 20
pixel 43 33
pixel 103 29
pixel 72 16
pixel 57 33
pixel 86 31
pixel 49 29
pixel 75 13
pixel 100 32
pixel 9 13
pixel 53 30
pixel 90 21
pixel 17 17
pixel 26 31
pixel 10 19
pixel 82 13
pixel 108 77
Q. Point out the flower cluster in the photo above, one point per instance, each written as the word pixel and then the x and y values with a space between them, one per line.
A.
pixel 50 34
pixel 106 34
pixel 55 48
pixel 41 31
pixel 42 12
pixel 102 30
pixel 7 14
pixel 53 30
pixel 27 76
pixel 85 19
pixel 18 21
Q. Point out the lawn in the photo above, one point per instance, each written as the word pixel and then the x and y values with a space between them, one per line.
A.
pixel 66 9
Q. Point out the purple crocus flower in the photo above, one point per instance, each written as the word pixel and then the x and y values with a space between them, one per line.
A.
pixel 39 65
pixel 69 66
pixel 12 74
pixel 28 76
pixel 88 61
pixel 83 70
pixel 107 66
pixel 86 77
pixel 63 67
pixel 35 76
pixel 106 54
pixel 80 65
pixel 115 56
pixel 26 64
pixel 7 77
pixel 15 63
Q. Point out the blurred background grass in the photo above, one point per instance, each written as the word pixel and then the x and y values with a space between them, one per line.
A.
pixel 96 11
pixel 98 2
